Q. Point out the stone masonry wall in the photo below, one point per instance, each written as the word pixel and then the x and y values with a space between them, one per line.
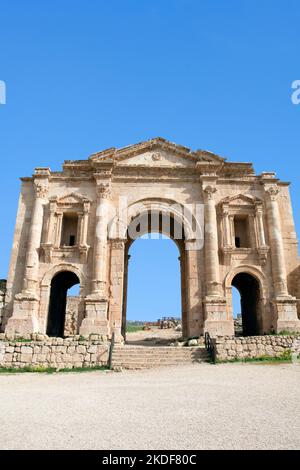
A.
pixel 54 352
pixel 229 348
pixel 2 299
pixel 74 315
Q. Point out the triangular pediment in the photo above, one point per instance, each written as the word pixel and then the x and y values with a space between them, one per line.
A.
pixel 240 200
pixel 71 198
pixel 155 152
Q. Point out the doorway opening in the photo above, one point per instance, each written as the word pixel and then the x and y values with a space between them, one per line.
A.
pixel 245 288
pixel 61 284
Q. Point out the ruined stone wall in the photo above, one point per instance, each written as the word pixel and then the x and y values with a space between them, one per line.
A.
pixel 229 348
pixel 53 352
pixel 2 300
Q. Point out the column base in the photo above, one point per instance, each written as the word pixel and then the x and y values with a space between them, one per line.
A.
pixel 216 322
pixel 118 337
pixel 24 319
pixel 95 321
pixel 285 314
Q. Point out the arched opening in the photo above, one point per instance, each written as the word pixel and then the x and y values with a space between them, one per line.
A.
pixel 154 278
pixel 249 291
pixel 60 285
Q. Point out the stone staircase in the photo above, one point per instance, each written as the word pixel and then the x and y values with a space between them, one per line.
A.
pixel 144 357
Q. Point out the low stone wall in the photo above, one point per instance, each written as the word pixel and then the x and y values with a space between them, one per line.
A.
pixel 53 353
pixel 229 348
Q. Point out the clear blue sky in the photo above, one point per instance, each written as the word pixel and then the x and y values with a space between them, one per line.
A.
pixel 85 75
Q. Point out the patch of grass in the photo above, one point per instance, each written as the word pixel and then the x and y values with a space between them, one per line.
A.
pixel 282 333
pixel 21 340
pixel 48 370
pixel 287 333
pixel 134 328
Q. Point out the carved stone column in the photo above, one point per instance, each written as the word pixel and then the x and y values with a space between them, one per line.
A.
pixel 276 243
pixel 48 246
pixel 34 240
pixel 260 225
pixel 25 310
pixel 217 321
pixel 83 229
pixel 261 239
pixel 96 312
pixel 227 227
pixel 211 243
pixel 285 311
pixel 50 230
pixel 227 231
pixel 59 219
pixel 100 243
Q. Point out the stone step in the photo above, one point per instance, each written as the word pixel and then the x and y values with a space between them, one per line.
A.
pixel 121 361
pixel 166 356
pixel 159 358
pixel 160 350
pixel 139 365
pixel 142 357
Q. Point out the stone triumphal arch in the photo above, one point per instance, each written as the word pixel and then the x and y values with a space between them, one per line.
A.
pixel 232 228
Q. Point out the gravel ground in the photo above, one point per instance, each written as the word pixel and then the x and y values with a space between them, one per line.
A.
pixel 236 406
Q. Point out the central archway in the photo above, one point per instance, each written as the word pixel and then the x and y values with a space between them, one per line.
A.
pixel 164 224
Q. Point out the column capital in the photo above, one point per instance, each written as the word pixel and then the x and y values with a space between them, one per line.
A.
pixel 271 190
pixel 86 207
pixel 259 207
pixel 209 191
pixel 41 188
pixel 41 182
pixel 103 189
pixel 118 243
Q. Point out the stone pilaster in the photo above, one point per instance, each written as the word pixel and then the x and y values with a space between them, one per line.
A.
pixel 284 305
pixel 194 321
pixel 117 267
pixel 25 310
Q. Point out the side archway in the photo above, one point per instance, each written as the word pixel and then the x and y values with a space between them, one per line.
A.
pixel 60 284
pixel 249 283
pixel 54 285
